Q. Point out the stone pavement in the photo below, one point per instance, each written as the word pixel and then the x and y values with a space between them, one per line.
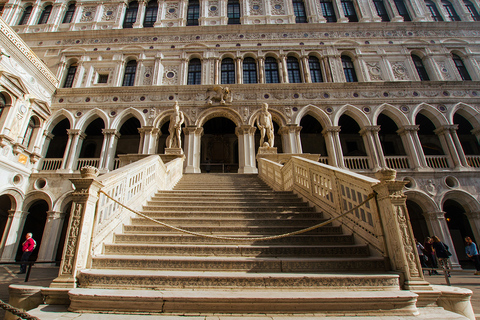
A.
pixel 43 275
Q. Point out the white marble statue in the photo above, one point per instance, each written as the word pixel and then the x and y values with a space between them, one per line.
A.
pixel 265 125
pixel 175 127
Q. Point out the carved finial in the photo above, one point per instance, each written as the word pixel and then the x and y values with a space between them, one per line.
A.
pixel 386 174
pixel 89 172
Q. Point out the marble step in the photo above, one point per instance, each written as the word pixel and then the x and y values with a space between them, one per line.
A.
pixel 236 250
pixel 255 264
pixel 174 196
pixel 227 209
pixel 341 239
pixel 232 215
pixel 200 280
pixel 258 193
pixel 250 230
pixel 229 222
pixel 202 201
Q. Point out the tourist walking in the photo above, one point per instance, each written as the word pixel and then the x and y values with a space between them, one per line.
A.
pixel 27 247
pixel 472 253
pixel 430 255
pixel 442 253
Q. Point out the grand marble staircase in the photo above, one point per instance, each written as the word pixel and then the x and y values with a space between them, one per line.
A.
pixel 152 268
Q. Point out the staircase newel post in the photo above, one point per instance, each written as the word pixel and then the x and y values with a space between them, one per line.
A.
pixel 399 239
pixel 80 226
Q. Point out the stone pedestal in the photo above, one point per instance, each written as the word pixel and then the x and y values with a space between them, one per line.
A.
pixel 267 150
pixel 174 151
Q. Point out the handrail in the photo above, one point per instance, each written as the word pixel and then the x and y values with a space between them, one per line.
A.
pixel 15 311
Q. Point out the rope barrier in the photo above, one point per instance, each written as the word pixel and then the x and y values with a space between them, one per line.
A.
pixel 17 312
pixel 262 238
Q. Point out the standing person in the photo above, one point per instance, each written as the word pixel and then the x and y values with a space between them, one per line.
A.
pixel 421 253
pixel 472 253
pixel 442 253
pixel 430 256
pixel 27 248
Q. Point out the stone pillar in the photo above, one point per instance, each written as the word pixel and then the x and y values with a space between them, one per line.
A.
pixel 12 239
pixel 48 136
pixel 397 231
pixel 73 149
pixel 246 149
pixel 140 14
pixel 291 138
pixel 80 227
pixel 306 70
pixel 334 147
pixel 412 146
pixel 193 137
pixel 373 151
pixel 282 69
pixel 437 225
pixel 216 72
pixel 51 236
pixel 393 8
pixel 58 12
pixel 456 156
pixel 341 15
pixel 6 231
pixel 149 139
pixel 239 75
pixel 107 157
pixel 261 69
pixel 34 16
pixel 474 219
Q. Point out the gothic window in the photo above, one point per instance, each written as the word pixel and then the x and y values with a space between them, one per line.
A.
pixel 328 11
pixel 299 11
pixel 228 71
pixel 293 68
pixel 471 9
pixel 233 12
pixel 249 70
pixel 150 14
pixel 461 68
pixel 72 69
pixel 349 10
pixel 193 13
pixel 422 72
pixel 271 70
pixel 194 72
pixel 26 15
pixel 130 15
pixel 402 10
pixel 349 69
pixel 381 10
pixel 450 10
pixel 315 70
pixel 129 76
pixel 433 10
pixel 67 18
pixel 27 137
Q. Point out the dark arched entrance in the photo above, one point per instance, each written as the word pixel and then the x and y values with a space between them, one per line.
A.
pixel 417 220
pixel 5 207
pixel 459 228
pixel 92 145
pixel 34 223
pixel 129 140
pixel 311 136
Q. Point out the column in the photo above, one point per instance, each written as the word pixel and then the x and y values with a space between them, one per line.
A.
pixel 57 15
pixel 371 145
pixel 12 239
pixel 291 142
pixel 246 149
pixel 122 9
pixel 107 157
pixel 474 219
pixel 306 70
pixel 449 139
pixel 326 71
pixel 216 71
pixel 282 69
pixel 34 15
pixel 51 236
pixel 437 225
pixel 6 231
pixel 334 147
pixel 261 69
pixel 239 74
pixel 75 140
pixel 192 147
pixel 140 14
pixel 82 219
pixel 148 140
pixel 412 146
pixel 341 14
pixel 397 231
pixel 393 8
pixel 158 70
pixel 46 142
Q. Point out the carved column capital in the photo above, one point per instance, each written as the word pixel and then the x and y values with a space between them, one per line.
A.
pixel 434 216
pixel 408 128
pixel 241 130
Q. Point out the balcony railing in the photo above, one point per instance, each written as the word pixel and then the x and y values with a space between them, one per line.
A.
pixel 51 164
pixel 356 163
pixel 323 160
pixel 94 162
pixel 397 162
pixel 473 161
pixel 437 162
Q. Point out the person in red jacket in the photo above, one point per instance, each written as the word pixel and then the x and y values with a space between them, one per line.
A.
pixel 27 248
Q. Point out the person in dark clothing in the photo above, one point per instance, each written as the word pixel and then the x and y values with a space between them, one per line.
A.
pixel 430 255
pixel 442 253
pixel 27 248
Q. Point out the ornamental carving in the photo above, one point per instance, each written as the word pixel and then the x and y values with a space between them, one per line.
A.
pixel 109 13
pixel 256 8
pixel 170 75
pixel 213 9
pixel 443 68
pixel 219 94
pixel 374 71
pixel 410 250
pixel 400 71
pixel 88 14
pixel 278 7
pixel 172 10
pixel 72 240
pixel 147 76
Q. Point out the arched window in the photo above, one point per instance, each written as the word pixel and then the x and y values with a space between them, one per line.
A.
pixel 249 70
pixel 130 15
pixel 70 77
pixel 26 15
pixel 129 76
pixel 228 71
pixel 381 10
pixel 233 12
pixel 471 9
pixel 328 11
pixel 450 10
pixel 3 104
pixel 402 10
pixel 271 70
pixel 315 70
pixel 349 69
pixel 194 72
pixel 150 14
pixel 193 12
pixel 293 68
pixel 27 137
pixel 349 10
pixel 69 13
pixel 462 70
pixel 433 10
pixel 45 15
pixel 422 72
pixel 299 11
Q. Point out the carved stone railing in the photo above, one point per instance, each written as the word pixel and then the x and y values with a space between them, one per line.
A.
pixel 95 218
pixel 82 162
pixel 383 224
pixel 473 161
pixel 397 162
pixel 51 164
pixel 356 163
pixel 437 162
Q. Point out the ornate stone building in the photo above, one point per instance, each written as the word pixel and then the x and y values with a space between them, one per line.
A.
pixel 365 84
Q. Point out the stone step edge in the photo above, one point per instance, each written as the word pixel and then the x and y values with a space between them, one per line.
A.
pixel 161 245
pixel 119 257
pixel 363 302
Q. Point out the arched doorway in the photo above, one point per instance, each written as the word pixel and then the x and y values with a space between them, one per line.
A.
pixel 129 140
pixel 34 223
pixel 417 220
pixel 430 142
pixel 312 138
pixel 392 146
pixel 58 144
pixel 92 144
pixel 63 234
pixel 353 148
pixel 219 146
pixel 469 142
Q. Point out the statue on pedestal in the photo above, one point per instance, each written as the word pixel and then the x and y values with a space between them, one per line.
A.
pixel 265 125
pixel 175 128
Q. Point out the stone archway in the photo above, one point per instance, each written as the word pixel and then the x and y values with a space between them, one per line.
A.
pixel 34 223
pixel 417 220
